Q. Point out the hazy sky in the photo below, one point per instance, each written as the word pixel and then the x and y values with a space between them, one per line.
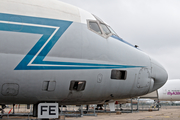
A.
pixel 153 25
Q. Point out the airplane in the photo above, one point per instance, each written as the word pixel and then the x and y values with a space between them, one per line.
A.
pixel 170 91
pixel 53 53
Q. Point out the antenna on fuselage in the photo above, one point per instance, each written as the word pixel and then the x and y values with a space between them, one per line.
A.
pixel 136 46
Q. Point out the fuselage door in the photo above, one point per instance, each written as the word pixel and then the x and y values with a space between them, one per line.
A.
pixel 143 80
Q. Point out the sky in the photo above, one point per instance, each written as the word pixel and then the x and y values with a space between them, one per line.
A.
pixel 153 25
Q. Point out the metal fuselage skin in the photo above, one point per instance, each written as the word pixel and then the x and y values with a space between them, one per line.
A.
pixel 45 41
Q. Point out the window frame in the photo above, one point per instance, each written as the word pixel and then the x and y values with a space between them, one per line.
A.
pixel 106 27
pixel 112 31
pixel 88 21
pixel 73 82
pixel 103 34
pixel 114 78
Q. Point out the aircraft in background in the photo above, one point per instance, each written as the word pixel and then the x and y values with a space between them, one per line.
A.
pixel 170 91
pixel 53 52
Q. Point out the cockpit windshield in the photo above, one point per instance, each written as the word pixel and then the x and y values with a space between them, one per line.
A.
pixel 100 27
pixel 105 29
pixel 113 32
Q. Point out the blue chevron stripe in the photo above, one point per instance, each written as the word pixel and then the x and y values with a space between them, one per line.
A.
pixel 50 36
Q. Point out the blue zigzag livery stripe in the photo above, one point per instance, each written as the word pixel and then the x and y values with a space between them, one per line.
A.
pixel 51 31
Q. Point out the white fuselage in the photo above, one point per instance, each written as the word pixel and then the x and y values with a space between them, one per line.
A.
pixel 47 49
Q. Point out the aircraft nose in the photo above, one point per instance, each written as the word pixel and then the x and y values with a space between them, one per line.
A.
pixel 158 74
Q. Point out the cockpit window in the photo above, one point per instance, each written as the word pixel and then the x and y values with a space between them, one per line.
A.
pixel 94 26
pixel 113 32
pixel 105 29
pixel 100 27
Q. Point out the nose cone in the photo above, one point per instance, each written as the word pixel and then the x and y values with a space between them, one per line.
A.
pixel 158 74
